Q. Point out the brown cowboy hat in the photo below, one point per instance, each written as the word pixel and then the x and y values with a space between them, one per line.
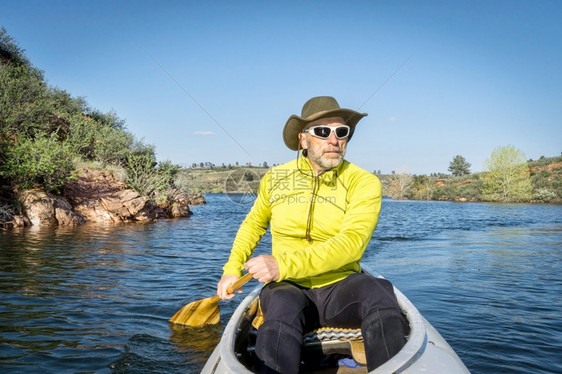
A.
pixel 313 109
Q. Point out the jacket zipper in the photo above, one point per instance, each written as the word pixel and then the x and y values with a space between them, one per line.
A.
pixel 309 220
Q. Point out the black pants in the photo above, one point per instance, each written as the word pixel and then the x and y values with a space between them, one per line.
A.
pixel 358 301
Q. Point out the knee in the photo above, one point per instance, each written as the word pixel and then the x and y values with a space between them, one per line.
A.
pixel 376 293
pixel 389 324
pixel 283 302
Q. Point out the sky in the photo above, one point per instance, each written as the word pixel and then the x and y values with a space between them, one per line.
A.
pixel 215 81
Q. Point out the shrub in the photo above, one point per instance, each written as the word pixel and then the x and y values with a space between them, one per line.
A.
pixel 471 190
pixel 184 181
pixel 446 192
pixel 146 176
pixel 43 161
pixel 545 195
pixel 24 99
pixel 82 137
pixel 112 146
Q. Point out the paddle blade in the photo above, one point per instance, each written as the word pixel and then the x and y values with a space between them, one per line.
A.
pixel 199 313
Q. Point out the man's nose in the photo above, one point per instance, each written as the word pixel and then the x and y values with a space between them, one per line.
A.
pixel 332 139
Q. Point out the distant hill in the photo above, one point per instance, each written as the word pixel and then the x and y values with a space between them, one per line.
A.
pixel 234 179
pixel 545 174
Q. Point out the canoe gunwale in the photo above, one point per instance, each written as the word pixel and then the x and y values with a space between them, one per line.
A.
pixel 224 359
pixel 227 342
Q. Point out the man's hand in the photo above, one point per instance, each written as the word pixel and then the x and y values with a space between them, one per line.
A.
pixel 223 284
pixel 264 268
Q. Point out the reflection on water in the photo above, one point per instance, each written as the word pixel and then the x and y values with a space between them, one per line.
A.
pixel 98 298
pixel 196 342
pixel 186 347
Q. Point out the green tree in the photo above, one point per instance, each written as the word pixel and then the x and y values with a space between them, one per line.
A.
pixel 508 178
pixel 459 166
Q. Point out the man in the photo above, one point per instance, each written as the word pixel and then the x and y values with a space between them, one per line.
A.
pixel 322 211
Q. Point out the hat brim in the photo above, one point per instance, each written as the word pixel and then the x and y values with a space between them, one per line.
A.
pixel 296 124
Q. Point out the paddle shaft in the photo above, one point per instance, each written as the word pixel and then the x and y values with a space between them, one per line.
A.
pixel 236 285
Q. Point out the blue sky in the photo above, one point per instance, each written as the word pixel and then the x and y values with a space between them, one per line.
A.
pixel 215 81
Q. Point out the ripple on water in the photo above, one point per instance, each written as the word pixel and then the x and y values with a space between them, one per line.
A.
pixel 98 298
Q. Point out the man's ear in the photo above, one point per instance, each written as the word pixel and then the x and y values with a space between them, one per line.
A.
pixel 302 140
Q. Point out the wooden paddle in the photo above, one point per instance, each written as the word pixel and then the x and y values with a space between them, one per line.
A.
pixel 206 311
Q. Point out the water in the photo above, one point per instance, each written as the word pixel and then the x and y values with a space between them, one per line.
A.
pixel 98 298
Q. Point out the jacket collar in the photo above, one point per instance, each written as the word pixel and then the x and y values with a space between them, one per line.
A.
pixel 328 177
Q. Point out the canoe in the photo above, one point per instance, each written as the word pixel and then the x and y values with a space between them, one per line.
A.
pixel 426 351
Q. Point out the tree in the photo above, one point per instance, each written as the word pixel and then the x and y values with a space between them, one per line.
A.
pixel 459 166
pixel 400 184
pixel 508 178
pixel 422 187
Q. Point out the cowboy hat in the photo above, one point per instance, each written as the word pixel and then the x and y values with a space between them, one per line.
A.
pixel 313 109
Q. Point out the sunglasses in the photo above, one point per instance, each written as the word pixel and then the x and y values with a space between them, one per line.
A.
pixel 324 132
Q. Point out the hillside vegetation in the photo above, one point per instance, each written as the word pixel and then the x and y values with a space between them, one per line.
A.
pixel 544 176
pixel 46 135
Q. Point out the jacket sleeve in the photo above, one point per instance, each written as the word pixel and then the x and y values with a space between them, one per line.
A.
pixel 348 244
pixel 250 232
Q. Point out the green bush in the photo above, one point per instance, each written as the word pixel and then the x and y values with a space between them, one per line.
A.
pixel 107 119
pixel 146 176
pixel 112 146
pixel 556 185
pixel 184 181
pixel 545 195
pixel 471 190
pixel 82 137
pixel 43 161
pixel 421 188
pixel 24 101
pixel 446 192
pixel 540 179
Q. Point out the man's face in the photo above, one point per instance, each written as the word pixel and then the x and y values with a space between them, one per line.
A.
pixel 324 154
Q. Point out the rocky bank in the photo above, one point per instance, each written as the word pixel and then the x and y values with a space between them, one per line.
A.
pixel 97 196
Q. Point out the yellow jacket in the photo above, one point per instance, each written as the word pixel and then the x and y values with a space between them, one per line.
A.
pixel 320 226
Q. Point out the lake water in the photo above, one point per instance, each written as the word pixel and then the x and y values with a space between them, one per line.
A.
pixel 98 298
